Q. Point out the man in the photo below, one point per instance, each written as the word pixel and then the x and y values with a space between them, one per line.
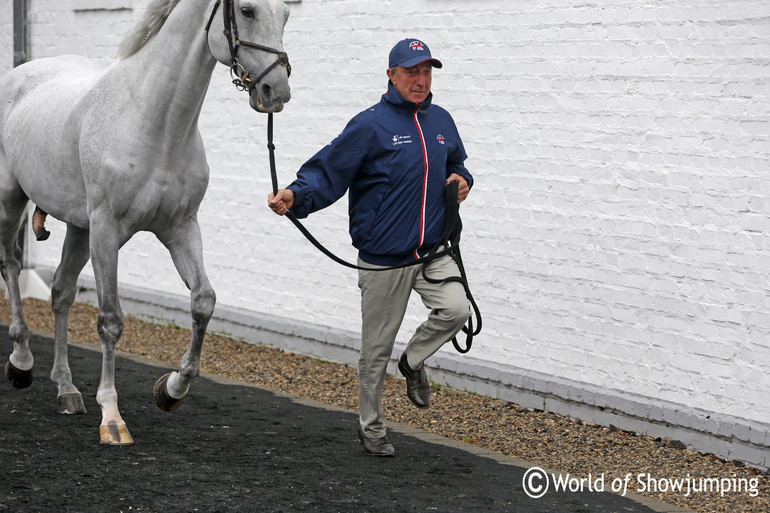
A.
pixel 395 159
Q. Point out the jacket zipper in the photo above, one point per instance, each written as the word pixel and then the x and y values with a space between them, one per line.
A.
pixel 424 184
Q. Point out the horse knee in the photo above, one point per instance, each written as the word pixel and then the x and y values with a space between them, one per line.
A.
pixel 203 304
pixel 110 327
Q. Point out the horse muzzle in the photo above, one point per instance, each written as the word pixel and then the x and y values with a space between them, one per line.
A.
pixel 265 98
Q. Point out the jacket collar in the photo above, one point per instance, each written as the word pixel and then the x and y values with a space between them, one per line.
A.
pixel 394 98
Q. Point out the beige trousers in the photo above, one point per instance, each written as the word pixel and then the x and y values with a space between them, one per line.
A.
pixel 384 299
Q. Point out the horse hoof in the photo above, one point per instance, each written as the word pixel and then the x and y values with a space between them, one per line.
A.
pixel 115 434
pixel 18 378
pixel 162 398
pixel 70 404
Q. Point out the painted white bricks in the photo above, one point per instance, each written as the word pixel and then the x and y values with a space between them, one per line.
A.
pixel 6 35
pixel 618 231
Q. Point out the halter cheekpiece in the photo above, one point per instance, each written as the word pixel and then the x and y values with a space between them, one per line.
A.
pixel 240 75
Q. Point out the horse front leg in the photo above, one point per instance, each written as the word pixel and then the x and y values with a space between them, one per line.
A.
pixel 104 256
pixel 75 253
pixel 184 245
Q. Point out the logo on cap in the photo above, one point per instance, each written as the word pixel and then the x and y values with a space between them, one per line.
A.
pixel 416 45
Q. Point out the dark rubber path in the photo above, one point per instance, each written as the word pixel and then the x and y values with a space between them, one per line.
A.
pixel 235 448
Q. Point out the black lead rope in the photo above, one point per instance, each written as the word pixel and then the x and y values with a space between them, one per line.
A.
pixel 453 227
pixel 450 245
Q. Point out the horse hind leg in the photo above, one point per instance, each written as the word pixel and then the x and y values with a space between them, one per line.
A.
pixel 18 370
pixel 75 254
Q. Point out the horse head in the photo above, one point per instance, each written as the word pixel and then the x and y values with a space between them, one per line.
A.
pixel 251 44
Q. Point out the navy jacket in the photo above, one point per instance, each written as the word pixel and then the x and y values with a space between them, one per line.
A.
pixel 394 159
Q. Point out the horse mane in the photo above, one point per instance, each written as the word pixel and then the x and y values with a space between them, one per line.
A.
pixel 154 17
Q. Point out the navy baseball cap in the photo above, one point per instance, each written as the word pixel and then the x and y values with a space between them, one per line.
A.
pixel 411 52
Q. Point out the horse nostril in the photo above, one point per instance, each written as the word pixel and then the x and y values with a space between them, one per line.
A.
pixel 266 93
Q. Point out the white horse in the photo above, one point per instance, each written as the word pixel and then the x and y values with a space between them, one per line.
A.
pixel 114 151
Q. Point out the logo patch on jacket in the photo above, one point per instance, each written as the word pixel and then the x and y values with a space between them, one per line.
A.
pixel 440 139
pixel 402 139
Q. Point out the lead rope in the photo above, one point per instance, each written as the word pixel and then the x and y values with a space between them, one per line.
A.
pixel 450 243
pixel 453 227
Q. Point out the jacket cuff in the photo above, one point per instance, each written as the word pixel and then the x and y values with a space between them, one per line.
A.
pixel 298 209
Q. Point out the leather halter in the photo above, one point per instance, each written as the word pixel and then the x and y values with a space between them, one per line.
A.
pixel 240 75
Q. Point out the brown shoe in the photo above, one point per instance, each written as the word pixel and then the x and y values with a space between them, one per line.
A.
pixel 417 386
pixel 376 446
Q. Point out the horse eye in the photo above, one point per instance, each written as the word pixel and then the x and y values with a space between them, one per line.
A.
pixel 248 12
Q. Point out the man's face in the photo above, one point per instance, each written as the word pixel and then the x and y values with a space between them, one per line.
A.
pixel 413 84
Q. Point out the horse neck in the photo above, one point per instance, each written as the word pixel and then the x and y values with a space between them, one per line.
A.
pixel 171 74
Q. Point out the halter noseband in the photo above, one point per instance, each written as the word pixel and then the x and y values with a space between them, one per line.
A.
pixel 240 75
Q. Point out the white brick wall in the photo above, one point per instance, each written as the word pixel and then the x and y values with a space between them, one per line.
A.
pixel 6 35
pixel 618 232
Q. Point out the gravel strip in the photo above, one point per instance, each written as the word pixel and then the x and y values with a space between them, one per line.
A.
pixel 544 439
